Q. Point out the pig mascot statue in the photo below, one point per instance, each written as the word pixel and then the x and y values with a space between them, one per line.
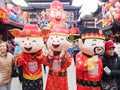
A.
pixel 58 59
pixel 89 67
pixel 31 58
pixel 56 14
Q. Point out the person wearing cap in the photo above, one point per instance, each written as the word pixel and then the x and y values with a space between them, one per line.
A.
pixel 75 47
pixel 111 64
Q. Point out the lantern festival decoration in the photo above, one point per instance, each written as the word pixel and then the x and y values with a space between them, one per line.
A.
pixel 111 12
pixel 56 14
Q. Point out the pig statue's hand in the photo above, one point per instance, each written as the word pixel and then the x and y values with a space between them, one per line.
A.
pixel 66 45
pixel 50 54
pixel 62 53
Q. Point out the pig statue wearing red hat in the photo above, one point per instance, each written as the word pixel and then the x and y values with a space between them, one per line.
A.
pixel 31 58
pixel 58 59
pixel 56 14
pixel 89 67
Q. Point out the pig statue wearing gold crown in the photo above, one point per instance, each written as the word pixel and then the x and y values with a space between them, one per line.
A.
pixel 89 67
pixel 58 59
pixel 31 58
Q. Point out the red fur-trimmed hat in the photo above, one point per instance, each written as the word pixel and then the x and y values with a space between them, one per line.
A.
pixel 30 30
pixel 109 44
pixel 59 30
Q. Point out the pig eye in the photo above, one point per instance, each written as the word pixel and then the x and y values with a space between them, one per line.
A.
pixel 34 41
pixel 62 39
pixel 22 41
pixel 51 38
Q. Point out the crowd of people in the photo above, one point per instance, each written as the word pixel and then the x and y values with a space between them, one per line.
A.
pixel 110 59
pixel 6 59
pixel 7 56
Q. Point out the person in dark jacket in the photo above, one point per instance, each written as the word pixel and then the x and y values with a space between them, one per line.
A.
pixel 111 66
pixel 75 49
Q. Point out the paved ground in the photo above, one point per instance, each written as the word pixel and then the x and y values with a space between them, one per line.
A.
pixel 16 85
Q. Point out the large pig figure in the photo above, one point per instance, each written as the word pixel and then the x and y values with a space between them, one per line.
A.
pixel 58 59
pixel 32 57
pixel 56 14
pixel 89 67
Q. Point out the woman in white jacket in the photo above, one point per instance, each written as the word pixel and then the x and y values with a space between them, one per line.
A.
pixel 5 67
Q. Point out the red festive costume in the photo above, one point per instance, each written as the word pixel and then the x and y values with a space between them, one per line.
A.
pixel 32 57
pixel 86 77
pixel 58 59
pixel 57 80
pixel 89 67
pixel 32 69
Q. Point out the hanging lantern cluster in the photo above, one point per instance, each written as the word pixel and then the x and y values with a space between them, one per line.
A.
pixel 111 12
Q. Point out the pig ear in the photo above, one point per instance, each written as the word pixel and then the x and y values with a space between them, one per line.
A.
pixel 15 32
pixel 45 32
pixel 48 11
